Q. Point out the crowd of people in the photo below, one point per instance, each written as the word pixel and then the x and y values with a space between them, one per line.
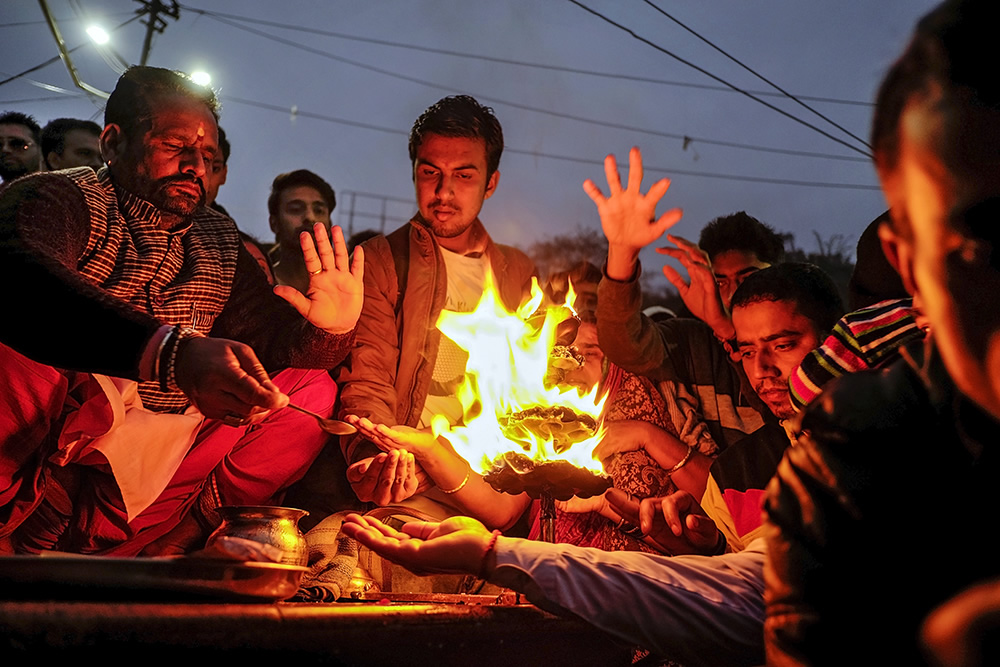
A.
pixel 776 461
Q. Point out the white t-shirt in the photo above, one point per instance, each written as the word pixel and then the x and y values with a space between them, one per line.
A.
pixel 466 275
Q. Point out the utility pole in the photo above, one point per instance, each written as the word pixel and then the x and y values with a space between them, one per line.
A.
pixel 153 22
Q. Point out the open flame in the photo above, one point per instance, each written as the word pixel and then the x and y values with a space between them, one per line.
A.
pixel 508 360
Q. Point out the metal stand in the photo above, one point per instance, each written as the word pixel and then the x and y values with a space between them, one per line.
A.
pixel 547 520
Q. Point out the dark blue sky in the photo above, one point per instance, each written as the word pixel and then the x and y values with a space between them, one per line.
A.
pixel 356 98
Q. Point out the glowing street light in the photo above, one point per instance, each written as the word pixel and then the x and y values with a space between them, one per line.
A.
pixel 201 78
pixel 98 34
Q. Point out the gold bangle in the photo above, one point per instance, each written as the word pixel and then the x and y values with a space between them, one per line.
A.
pixel 468 473
pixel 680 464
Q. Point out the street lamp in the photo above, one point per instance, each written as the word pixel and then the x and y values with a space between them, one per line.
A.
pixel 98 34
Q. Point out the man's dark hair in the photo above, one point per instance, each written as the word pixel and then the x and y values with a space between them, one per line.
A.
pixel 298 178
pixel 224 146
pixel 813 292
pixel 18 118
pixel 460 116
pixel 953 48
pixel 55 131
pixel 743 232
pixel 132 103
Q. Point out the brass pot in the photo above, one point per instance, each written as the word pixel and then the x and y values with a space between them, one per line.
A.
pixel 277 526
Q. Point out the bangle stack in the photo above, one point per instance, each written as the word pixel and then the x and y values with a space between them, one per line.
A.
pixel 164 367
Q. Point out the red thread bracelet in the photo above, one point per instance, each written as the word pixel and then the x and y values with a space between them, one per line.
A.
pixel 486 555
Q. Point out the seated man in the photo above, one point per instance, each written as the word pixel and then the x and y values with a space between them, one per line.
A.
pixel 885 510
pixel 403 371
pixel 705 607
pixel 699 356
pixel 124 273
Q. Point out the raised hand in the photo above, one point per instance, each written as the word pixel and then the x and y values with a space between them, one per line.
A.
pixel 225 380
pixel 700 292
pixel 385 478
pixel 454 546
pixel 336 282
pixel 628 216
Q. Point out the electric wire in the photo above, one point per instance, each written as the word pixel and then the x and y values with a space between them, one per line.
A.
pixel 519 63
pixel 55 59
pixel 719 79
pixel 551 156
pixel 761 76
pixel 525 107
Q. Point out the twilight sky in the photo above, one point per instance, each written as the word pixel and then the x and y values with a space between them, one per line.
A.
pixel 359 72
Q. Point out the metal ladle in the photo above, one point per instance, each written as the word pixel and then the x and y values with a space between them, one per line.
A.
pixel 331 426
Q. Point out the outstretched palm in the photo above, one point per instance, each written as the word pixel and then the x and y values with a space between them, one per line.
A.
pixel 627 215
pixel 336 283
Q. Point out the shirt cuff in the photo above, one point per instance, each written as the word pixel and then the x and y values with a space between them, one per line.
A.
pixel 631 279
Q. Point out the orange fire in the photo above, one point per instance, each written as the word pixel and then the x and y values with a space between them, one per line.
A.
pixel 508 360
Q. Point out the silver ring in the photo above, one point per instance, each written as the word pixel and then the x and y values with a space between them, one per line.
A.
pixel 631 530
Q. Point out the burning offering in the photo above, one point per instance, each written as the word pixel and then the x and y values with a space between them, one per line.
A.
pixel 521 431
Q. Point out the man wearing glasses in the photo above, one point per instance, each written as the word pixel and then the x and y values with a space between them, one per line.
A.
pixel 19 152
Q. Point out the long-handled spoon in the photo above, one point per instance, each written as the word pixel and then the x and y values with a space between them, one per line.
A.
pixel 332 426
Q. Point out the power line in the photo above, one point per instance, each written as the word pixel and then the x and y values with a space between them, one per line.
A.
pixel 23 24
pixel 32 100
pixel 56 58
pixel 564 158
pixel 761 77
pixel 719 79
pixel 508 61
pixel 525 107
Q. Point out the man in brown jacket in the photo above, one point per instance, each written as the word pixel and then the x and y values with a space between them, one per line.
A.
pixel 402 370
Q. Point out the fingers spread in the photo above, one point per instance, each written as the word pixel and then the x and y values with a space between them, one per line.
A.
pixel 326 255
pixel 611 173
pixel 593 192
pixel 635 170
pixel 341 258
pixel 309 253
pixel 294 297
pixel 675 279
pixel 358 263
pixel 668 220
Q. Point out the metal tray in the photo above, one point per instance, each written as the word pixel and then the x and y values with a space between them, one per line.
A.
pixel 67 576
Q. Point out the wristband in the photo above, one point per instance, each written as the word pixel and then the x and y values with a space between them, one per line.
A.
pixel 486 556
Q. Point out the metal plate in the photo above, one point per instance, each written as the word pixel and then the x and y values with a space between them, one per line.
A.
pixel 85 577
